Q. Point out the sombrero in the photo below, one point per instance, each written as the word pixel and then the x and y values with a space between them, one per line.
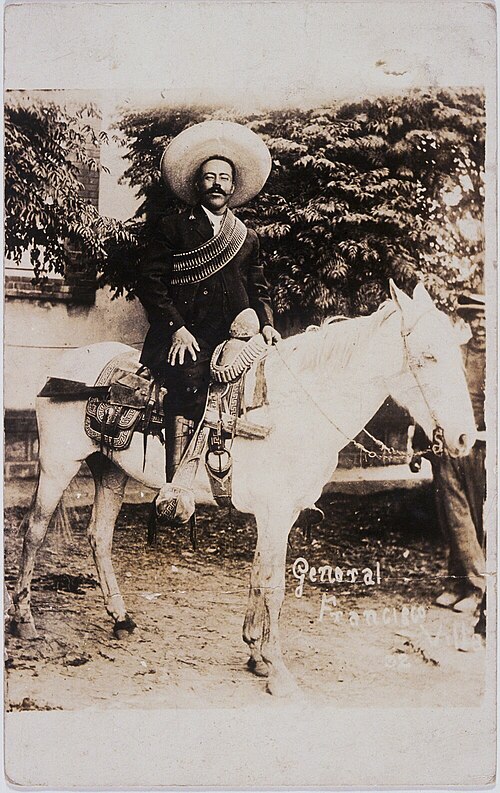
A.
pixel 470 302
pixel 194 145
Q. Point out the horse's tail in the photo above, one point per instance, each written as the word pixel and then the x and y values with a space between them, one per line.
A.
pixel 24 523
pixel 62 519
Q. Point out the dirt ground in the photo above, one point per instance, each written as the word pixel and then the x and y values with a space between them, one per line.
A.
pixel 378 644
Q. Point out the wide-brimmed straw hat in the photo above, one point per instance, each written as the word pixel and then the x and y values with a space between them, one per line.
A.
pixel 470 303
pixel 211 139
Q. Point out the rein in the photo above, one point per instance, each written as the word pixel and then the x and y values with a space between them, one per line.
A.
pixel 437 445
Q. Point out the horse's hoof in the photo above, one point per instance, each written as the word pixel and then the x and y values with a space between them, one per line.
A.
pixel 282 686
pixel 23 629
pixel 123 628
pixel 258 667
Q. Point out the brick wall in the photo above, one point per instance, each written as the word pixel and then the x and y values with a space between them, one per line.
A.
pixel 21 444
pixel 80 272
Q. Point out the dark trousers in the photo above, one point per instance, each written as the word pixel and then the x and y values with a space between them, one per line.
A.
pixel 460 487
pixel 188 384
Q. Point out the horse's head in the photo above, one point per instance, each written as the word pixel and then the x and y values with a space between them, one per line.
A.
pixel 431 383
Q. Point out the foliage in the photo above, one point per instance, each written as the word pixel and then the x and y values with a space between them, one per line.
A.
pixel 367 201
pixel 359 192
pixel 47 149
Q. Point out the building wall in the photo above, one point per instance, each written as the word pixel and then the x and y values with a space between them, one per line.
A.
pixel 37 331
pixel 41 320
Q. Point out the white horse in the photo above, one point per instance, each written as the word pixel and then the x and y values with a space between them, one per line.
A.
pixel 323 387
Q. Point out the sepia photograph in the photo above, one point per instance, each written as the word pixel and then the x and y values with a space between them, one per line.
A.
pixel 250 403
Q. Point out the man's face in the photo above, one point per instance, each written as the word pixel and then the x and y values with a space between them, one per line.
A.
pixel 215 185
pixel 477 324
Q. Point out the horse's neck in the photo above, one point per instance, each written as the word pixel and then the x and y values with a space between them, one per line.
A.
pixel 366 384
pixel 348 396
pixel 352 403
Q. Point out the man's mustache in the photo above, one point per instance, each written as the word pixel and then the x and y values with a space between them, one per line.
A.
pixel 215 191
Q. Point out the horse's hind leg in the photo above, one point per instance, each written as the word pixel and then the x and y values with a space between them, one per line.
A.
pixel 110 484
pixel 49 490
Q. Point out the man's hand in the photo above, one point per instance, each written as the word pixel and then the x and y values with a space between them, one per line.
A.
pixel 270 334
pixel 182 341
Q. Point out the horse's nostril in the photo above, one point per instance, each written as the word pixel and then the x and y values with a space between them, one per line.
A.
pixel 463 441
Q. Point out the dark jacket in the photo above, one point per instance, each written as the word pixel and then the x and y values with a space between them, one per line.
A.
pixel 170 307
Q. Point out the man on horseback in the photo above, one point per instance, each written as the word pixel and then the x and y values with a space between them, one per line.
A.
pixel 202 267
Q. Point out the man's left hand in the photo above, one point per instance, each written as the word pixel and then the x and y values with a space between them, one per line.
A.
pixel 270 334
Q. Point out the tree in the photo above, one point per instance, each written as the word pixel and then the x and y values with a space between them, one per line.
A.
pixel 355 197
pixel 46 215
pixel 359 192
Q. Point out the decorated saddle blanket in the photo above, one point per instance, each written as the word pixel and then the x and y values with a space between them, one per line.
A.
pixel 133 403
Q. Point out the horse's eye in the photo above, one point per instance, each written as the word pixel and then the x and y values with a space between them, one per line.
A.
pixel 429 357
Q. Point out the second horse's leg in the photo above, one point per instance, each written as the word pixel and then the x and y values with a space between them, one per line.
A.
pixel 110 484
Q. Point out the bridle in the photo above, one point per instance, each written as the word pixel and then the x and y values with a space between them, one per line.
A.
pixel 438 441
pixel 437 445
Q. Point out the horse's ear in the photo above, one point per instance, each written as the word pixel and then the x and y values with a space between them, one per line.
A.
pixel 401 299
pixel 422 296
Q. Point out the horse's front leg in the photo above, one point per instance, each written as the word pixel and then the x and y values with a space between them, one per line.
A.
pixel 254 621
pixel 110 484
pixel 270 576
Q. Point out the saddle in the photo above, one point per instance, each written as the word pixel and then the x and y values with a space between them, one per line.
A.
pixel 134 403
pixel 126 399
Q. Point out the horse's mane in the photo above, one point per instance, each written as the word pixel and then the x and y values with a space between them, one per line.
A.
pixel 338 341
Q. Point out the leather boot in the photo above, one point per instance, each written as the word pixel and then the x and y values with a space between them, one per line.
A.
pixel 175 503
pixel 178 433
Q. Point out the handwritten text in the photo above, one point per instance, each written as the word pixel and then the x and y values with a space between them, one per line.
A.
pixel 328 574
